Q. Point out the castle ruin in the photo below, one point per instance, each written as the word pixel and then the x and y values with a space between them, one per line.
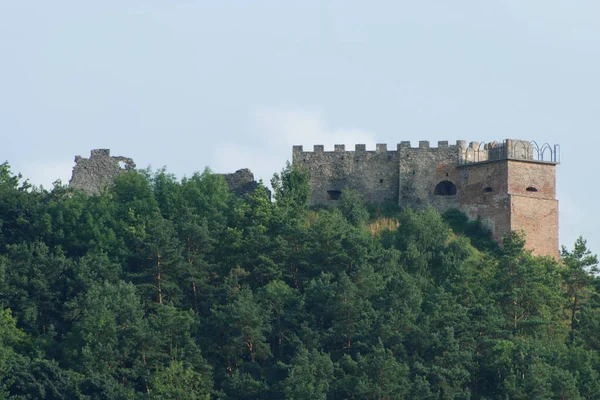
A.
pixel 509 185
pixel 92 175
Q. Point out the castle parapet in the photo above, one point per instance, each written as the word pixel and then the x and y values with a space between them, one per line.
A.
pixel 380 147
pixel 510 149
pixel 403 145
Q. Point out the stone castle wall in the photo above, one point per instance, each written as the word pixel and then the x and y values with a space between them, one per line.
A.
pixel 422 168
pixel 483 191
pixel 534 208
pixel 93 174
pixel 500 184
pixel 373 174
pixel 241 182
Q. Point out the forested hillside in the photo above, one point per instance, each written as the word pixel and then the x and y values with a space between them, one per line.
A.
pixel 168 289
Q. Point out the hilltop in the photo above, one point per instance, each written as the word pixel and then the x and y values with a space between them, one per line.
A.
pixel 162 288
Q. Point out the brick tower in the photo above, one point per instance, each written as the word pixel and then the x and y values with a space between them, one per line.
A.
pixel 512 186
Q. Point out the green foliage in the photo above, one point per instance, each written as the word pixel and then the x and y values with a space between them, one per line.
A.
pixel 309 376
pixel 578 274
pixel 291 188
pixel 480 236
pixel 528 290
pixel 353 208
pixel 376 375
pixel 178 382
pixel 10 337
pixel 167 289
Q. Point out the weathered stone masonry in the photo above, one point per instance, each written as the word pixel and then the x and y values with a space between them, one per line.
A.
pixel 374 174
pixel 241 182
pixel 93 174
pixel 508 185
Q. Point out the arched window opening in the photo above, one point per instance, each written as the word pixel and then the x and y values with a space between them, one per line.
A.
pixel 445 188
pixel 531 189
pixel 488 189
pixel 334 194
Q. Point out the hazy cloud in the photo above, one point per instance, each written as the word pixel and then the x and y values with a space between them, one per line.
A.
pixel 572 222
pixel 44 173
pixel 275 131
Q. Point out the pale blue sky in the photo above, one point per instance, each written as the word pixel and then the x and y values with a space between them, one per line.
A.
pixel 233 84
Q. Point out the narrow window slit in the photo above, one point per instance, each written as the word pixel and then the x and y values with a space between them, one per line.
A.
pixel 334 194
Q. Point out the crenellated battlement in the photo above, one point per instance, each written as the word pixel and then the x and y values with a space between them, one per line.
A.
pixel 383 147
pixel 474 152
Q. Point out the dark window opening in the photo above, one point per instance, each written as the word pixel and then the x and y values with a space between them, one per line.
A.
pixel 381 181
pixel 334 194
pixel 531 189
pixel 414 172
pixel 446 174
pixel 488 189
pixel 445 188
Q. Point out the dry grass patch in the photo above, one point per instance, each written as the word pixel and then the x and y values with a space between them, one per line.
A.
pixel 383 224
